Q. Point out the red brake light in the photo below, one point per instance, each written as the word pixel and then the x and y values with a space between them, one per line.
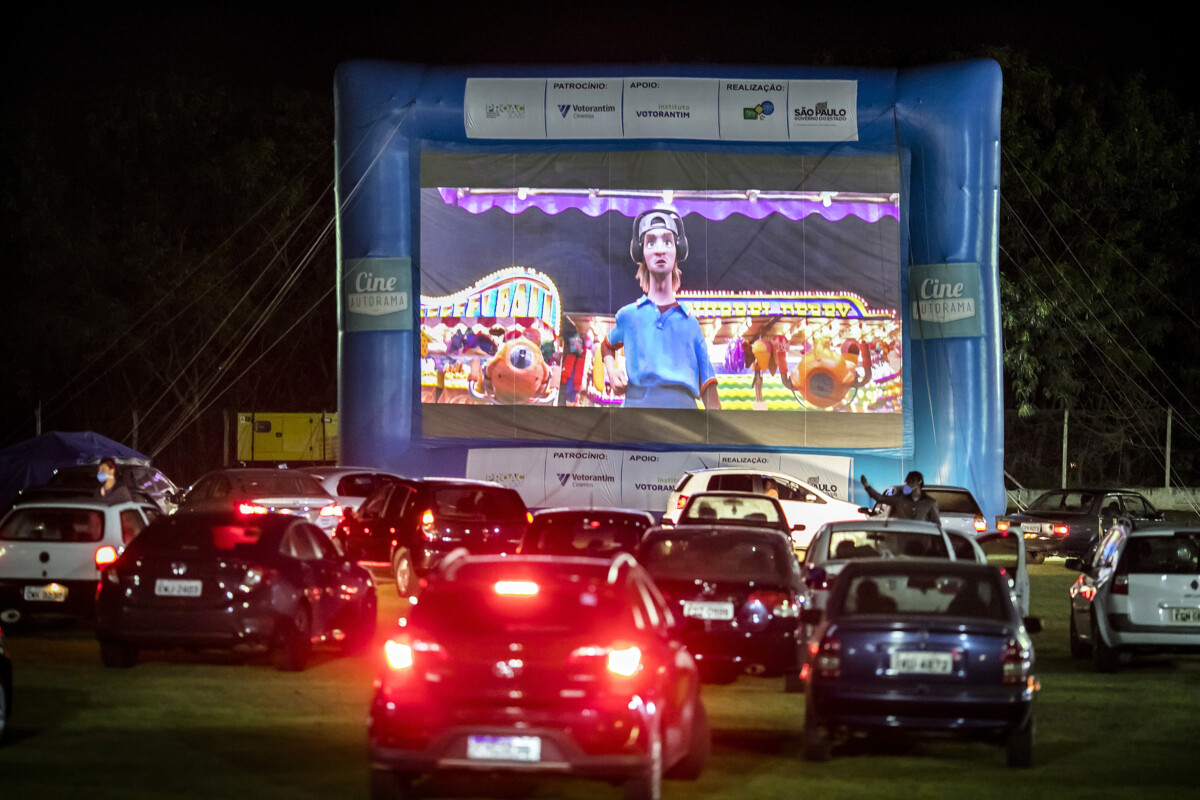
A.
pixel 398 654
pixel 778 603
pixel 1061 530
pixel 1002 524
pixel 250 508
pixel 105 556
pixel 625 661
pixel 332 510
pixel 427 529
pixel 529 517
pixel 681 502
pixel 1017 663
pixel 980 524
pixel 829 658
pixel 516 588
pixel 1120 585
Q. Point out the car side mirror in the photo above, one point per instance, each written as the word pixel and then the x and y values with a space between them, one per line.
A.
pixel 1074 564
pixel 1033 624
pixel 799 526
pixel 864 510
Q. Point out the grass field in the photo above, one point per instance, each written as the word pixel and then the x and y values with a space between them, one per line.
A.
pixel 184 725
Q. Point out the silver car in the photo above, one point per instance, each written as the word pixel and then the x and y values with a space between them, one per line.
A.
pixel 250 490
pixel 351 485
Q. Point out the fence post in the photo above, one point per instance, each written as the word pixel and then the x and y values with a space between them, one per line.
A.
pixel 1066 415
pixel 1167 472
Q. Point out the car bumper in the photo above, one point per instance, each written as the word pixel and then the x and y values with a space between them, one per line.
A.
pixel 926 707
pixel 224 627
pixel 1125 633
pixel 771 652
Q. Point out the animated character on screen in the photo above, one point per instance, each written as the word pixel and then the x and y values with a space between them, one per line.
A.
pixel 517 375
pixel 666 354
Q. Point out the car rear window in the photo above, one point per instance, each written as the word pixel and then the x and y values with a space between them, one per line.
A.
pixel 281 485
pixel 595 534
pixel 473 503
pixel 716 558
pixel 976 595
pixel 358 485
pixel 1062 501
pixel 166 537
pixel 854 544
pixel 954 502
pixel 731 483
pixel 483 608
pixel 707 510
pixel 54 525
pixel 1162 555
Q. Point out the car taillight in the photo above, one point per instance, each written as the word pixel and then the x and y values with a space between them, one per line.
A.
pixel 625 661
pixel 332 510
pixel 780 604
pixel 251 508
pixel 1120 585
pixel 528 517
pixel 1017 663
pixel 828 657
pixel 1061 530
pixel 981 525
pixel 681 502
pixel 254 577
pixel 105 556
pixel 1002 524
pixel 399 655
pixel 516 588
pixel 427 529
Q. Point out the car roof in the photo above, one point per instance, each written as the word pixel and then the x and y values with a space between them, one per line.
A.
pixel 718 529
pixel 482 565
pixel 1164 528
pixel 450 482
pixel 876 524
pixel 737 470
pixel 82 502
pixel 877 566
pixel 329 472
pixel 633 512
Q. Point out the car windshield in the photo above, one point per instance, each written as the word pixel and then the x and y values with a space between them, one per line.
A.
pixel 1162 555
pixel 947 593
pixel 1062 501
pixel 171 537
pixel 472 503
pixel 954 501
pixel 590 533
pixel 281 485
pixel 855 544
pixel 520 605
pixel 54 525
pixel 747 510
pixel 716 558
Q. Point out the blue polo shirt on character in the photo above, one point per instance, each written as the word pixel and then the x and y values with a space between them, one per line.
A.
pixel 666 356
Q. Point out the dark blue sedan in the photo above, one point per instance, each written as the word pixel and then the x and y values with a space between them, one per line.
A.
pixel 920 646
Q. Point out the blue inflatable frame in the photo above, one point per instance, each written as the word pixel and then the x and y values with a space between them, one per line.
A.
pixel 943 121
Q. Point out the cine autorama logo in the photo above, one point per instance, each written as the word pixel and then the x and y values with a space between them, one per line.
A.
pixel 761 111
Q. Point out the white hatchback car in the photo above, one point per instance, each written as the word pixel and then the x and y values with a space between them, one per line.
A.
pixel 1138 592
pixel 51 552
pixel 803 503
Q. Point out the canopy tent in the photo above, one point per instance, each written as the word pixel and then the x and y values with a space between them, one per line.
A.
pixel 33 461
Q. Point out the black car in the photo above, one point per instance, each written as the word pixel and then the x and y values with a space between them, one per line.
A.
pixel 236 581
pixel 738 591
pixel 408 525
pixel 5 688
pixel 598 532
pixel 544 665
pixel 1066 522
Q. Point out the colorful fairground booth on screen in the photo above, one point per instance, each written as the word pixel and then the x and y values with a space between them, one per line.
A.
pixel 581 282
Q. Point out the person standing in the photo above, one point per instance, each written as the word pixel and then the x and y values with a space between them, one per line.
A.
pixel 910 502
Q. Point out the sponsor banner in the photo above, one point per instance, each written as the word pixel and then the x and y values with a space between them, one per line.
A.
pixel 376 294
pixel 671 108
pixel 754 110
pixel 831 474
pixel 523 469
pixel 647 479
pixel 583 108
pixel 945 301
pixel 823 111
pixel 580 476
pixel 505 108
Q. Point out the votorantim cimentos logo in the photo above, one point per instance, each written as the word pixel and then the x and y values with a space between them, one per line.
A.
pixel 378 293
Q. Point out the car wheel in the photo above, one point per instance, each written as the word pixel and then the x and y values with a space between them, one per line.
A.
pixel 1079 648
pixel 1036 558
pixel 817 746
pixel 360 630
pixel 648 785
pixel 699 746
pixel 1019 747
pixel 1104 658
pixel 402 570
pixel 120 655
pixel 388 784
pixel 294 643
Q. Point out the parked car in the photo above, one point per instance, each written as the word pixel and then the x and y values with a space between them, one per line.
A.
pixel 349 486
pixel 920 646
pixel 1003 549
pixel 738 592
pixel 252 490
pixel 599 532
pixel 957 508
pixel 410 524
pixel 6 687
pixel 1137 593
pixel 231 580
pixel 803 503
pixel 544 665
pixel 1065 522
pixel 52 551
pixel 145 483
pixel 837 544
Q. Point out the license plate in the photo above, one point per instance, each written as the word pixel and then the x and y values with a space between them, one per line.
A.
pixel 167 587
pixel 504 748
pixel 50 593
pixel 922 663
pixel 699 609
pixel 1185 615
pixel 1031 527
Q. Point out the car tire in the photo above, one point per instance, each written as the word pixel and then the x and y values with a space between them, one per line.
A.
pixel 294 643
pixel 389 784
pixel 402 571
pixel 120 655
pixel 361 627
pixel 1019 747
pixel 648 784
pixel 1036 558
pixel 817 746
pixel 699 746
pixel 1104 658
pixel 1079 648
